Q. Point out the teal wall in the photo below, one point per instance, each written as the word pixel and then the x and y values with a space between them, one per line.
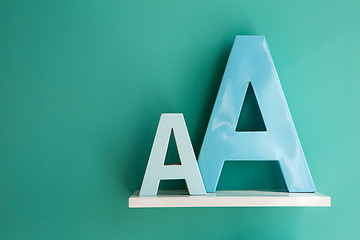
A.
pixel 83 84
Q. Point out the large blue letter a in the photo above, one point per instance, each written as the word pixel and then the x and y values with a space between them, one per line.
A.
pixel 250 62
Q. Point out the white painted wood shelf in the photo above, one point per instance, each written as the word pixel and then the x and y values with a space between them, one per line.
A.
pixel 230 199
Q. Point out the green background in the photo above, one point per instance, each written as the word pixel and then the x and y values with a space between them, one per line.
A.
pixel 82 87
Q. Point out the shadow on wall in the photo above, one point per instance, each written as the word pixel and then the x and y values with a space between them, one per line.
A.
pixel 251 175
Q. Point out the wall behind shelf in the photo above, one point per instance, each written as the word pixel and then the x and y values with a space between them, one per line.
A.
pixel 83 84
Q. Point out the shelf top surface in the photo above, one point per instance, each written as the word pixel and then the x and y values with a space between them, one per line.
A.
pixel 230 199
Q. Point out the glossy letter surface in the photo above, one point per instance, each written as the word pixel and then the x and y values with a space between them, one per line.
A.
pixel 250 62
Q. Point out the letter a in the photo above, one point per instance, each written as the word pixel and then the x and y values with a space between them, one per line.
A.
pixel 250 63
pixel 156 170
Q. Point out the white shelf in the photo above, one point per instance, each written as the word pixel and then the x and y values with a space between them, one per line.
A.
pixel 230 199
